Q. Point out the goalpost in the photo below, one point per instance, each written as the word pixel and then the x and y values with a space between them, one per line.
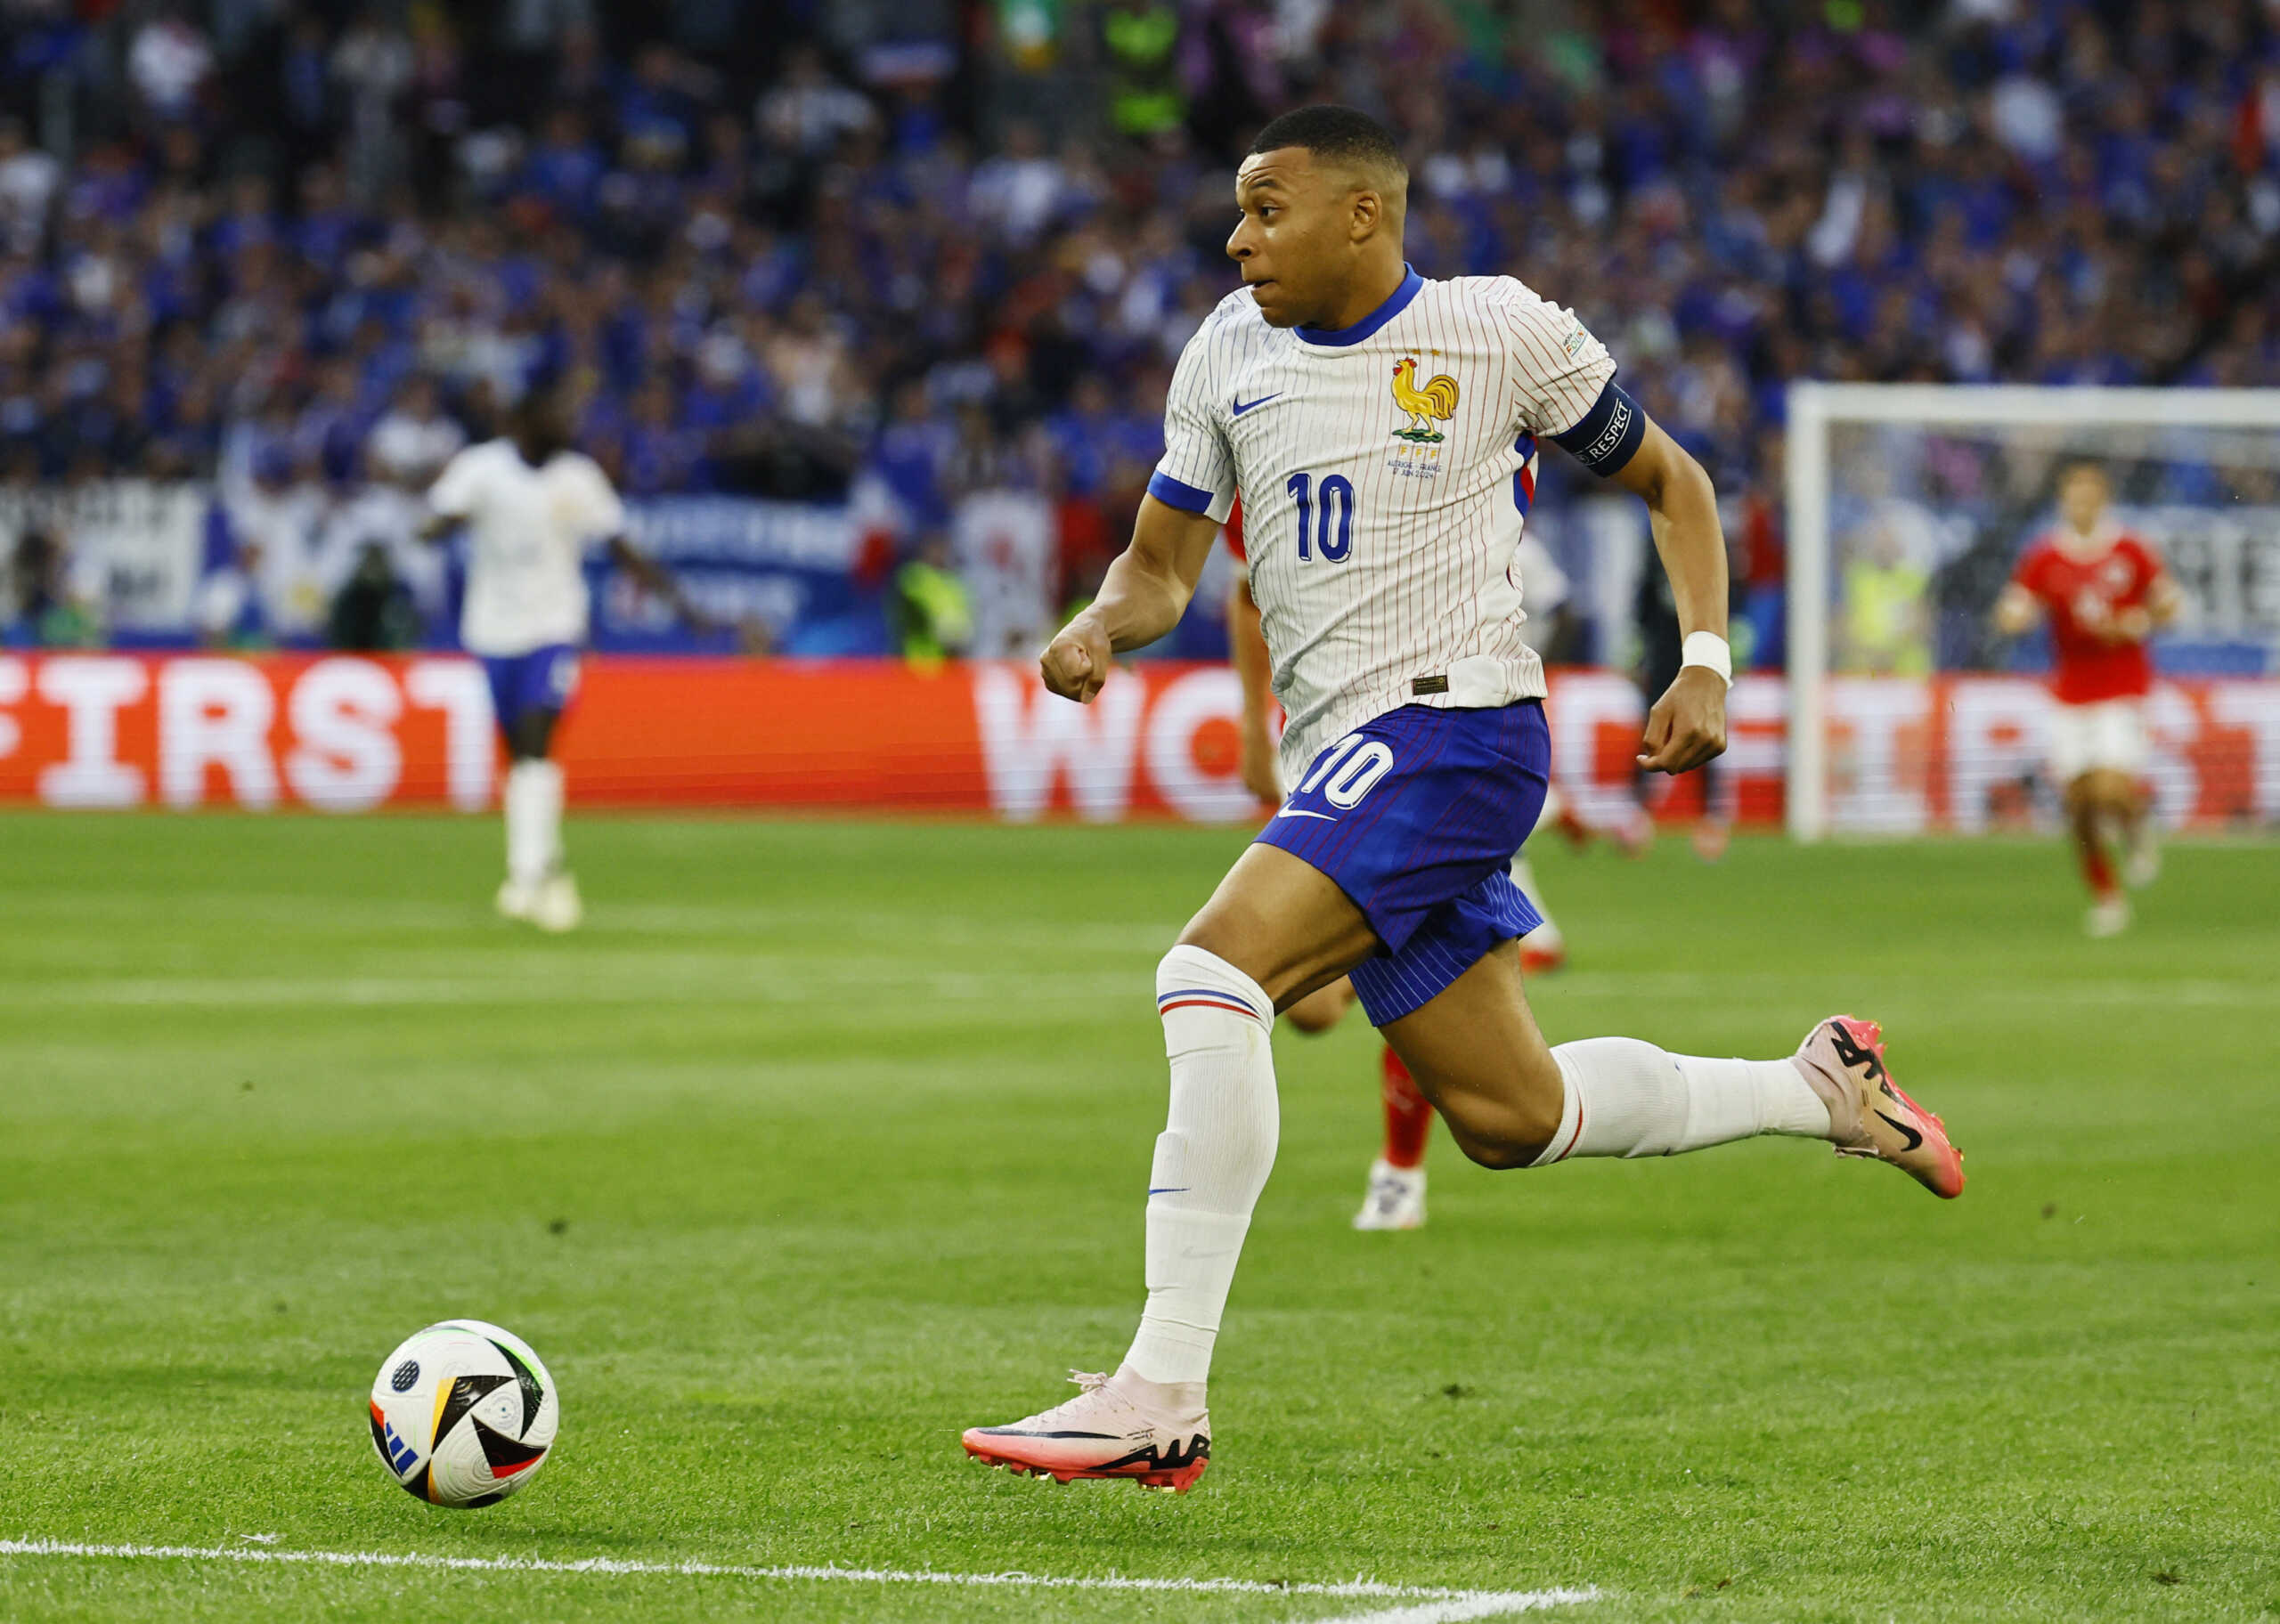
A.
pixel 1908 505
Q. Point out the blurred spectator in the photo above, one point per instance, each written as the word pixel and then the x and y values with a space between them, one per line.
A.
pixel 930 610
pixel 373 609
pixel 656 454
pixel 372 65
pixel 1003 543
pixel 911 457
pixel 566 167
pixel 271 582
pixel 302 82
pixel 412 441
pixel 808 113
pixel 1143 37
pixel 169 64
pixel 1885 628
pixel 54 605
pixel 28 181
pixel 1018 193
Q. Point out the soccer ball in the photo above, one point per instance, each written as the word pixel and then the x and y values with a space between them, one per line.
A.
pixel 463 1414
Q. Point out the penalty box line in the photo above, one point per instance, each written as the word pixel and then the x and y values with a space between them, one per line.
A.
pixel 1425 1603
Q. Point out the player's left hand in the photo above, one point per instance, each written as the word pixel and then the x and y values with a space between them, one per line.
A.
pixel 1687 725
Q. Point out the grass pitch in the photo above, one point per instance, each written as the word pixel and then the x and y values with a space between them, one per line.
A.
pixel 824 1141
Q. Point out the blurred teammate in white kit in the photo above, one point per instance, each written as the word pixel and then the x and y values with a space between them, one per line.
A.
pixel 532 508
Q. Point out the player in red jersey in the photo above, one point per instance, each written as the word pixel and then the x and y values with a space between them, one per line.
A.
pixel 2104 591
pixel 1394 1195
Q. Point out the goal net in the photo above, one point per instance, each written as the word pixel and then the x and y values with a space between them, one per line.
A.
pixel 1908 505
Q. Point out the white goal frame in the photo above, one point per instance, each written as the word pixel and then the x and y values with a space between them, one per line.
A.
pixel 1814 409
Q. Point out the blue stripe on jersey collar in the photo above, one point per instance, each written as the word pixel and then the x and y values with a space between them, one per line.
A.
pixel 1376 319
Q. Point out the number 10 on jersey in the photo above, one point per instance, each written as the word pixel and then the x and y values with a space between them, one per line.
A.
pixel 1316 535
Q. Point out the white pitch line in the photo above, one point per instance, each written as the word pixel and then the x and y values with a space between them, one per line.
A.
pixel 1487 1604
pixel 1433 1605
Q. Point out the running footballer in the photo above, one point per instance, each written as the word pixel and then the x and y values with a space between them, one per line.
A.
pixel 1382 431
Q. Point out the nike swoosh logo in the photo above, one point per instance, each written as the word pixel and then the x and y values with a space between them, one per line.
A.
pixel 1914 1138
pixel 1015 1432
pixel 1242 405
pixel 1294 812
pixel 1171 1190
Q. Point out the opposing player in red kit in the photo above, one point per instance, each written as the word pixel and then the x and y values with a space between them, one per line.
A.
pixel 2104 591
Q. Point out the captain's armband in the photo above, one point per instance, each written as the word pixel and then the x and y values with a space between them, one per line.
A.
pixel 1608 435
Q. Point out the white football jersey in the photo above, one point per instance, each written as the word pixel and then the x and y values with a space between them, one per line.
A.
pixel 1386 469
pixel 528 531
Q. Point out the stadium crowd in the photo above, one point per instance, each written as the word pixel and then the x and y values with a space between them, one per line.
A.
pixel 921 251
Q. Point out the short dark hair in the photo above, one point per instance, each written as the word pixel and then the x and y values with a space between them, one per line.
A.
pixel 1341 134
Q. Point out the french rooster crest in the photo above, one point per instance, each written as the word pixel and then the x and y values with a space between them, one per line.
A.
pixel 1436 401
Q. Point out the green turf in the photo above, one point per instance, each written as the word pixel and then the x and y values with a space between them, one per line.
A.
pixel 826 1139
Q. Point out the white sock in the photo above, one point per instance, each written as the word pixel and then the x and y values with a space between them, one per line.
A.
pixel 1628 1098
pixel 534 798
pixel 1211 1161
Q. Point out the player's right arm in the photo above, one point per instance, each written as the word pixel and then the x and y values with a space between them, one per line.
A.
pixel 2017 608
pixel 451 499
pixel 602 517
pixel 1147 591
pixel 2016 611
pixel 1148 587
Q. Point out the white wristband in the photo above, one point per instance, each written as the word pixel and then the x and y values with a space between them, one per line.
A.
pixel 1708 650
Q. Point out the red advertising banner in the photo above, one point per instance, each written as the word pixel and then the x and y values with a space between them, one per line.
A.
pixel 351 733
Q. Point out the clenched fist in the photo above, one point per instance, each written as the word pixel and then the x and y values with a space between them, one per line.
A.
pixel 1687 725
pixel 1075 663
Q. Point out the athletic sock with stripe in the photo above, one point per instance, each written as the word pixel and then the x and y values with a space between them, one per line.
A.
pixel 1211 1159
pixel 1628 1098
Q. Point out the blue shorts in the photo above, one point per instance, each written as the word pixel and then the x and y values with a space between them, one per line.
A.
pixel 1417 816
pixel 543 679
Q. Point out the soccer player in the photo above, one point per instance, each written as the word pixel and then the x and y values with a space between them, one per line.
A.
pixel 1382 430
pixel 1393 1197
pixel 532 508
pixel 2104 591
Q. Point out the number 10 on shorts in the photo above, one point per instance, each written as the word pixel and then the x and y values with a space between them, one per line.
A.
pixel 1349 770
pixel 1315 534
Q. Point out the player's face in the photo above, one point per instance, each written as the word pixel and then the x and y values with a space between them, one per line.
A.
pixel 1295 241
pixel 2081 499
pixel 543 427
